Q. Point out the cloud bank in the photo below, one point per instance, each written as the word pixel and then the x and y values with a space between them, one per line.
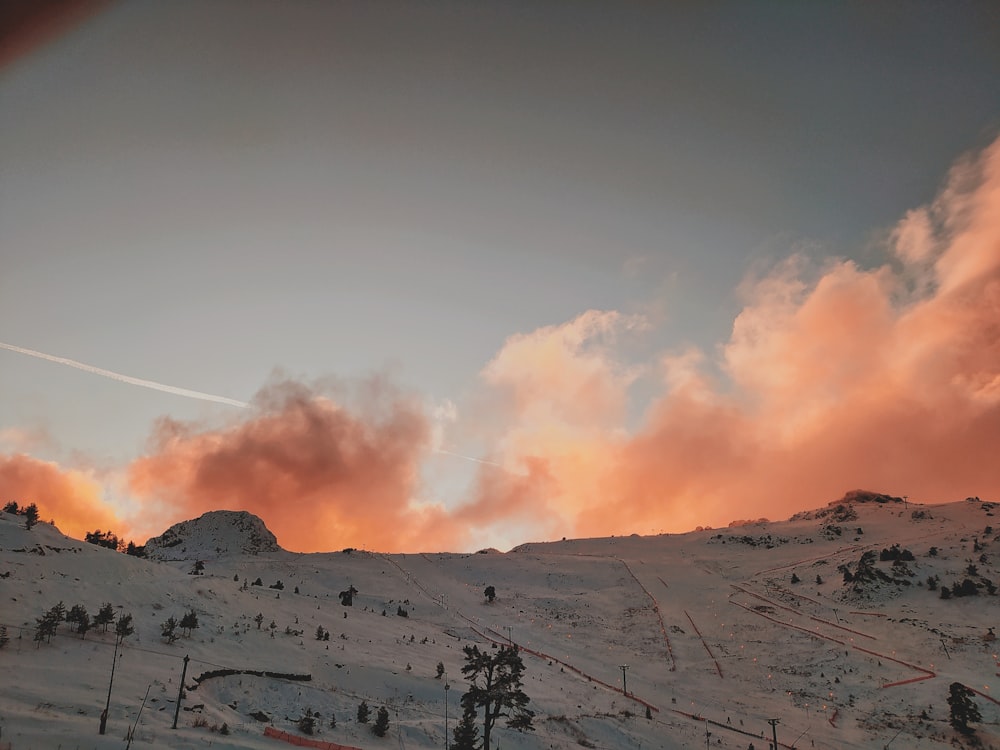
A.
pixel 321 474
pixel 72 498
pixel 835 376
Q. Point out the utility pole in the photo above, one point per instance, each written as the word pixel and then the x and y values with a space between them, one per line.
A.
pixel 510 640
pixel 624 668
pixel 107 706
pixel 447 687
pixel 180 692
pixel 774 730
pixel 905 504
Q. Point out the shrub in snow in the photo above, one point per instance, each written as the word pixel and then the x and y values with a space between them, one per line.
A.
pixel 381 725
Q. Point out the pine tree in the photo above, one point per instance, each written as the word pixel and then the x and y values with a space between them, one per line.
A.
pixel 76 612
pixel 30 516
pixel 45 627
pixel 363 712
pixel 466 734
pixel 440 670
pixel 168 629
pixel 124 627
pixel 307 724
pixel 83 625
pixel 495 686
pixel 189 622
pixel 963 709
pixel 381 725
pixel 105 616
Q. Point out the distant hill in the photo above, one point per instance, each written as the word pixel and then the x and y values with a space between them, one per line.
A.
pixel 216 533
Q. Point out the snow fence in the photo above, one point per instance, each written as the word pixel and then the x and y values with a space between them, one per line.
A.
pixel 293 739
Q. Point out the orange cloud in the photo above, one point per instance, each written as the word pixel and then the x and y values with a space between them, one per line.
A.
pixel 322 476
pixel 71 498
pixel 834 378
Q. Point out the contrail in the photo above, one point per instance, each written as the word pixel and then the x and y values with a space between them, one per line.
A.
pixel 126 378
pixel 468 458
pixel 174 389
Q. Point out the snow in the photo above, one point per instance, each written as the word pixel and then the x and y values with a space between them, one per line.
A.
pixel 708 623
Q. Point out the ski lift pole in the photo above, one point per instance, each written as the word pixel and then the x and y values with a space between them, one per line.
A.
pixel 180 693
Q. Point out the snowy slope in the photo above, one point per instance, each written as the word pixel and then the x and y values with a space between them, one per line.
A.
pixel 709 623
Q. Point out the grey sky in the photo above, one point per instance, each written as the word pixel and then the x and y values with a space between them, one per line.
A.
pixel 197 193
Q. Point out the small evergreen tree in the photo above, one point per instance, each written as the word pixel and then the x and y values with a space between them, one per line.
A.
pixel 45 627
pixel 30 516
pixel 490 593
pixel 440 670
pixel 105 616
pixel 259 619
pixel 124 627
pixel 76 613
pixel 320 632
pixel 168 629
pixel 189 622
pixel 307 724
pixel 364 712
pixel 963 709
pixel 83 624
pixel 11 507
pixel 381 725
pixel 465 736
pixel 135 550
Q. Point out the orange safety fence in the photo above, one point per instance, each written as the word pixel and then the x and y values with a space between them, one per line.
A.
pixel 293 739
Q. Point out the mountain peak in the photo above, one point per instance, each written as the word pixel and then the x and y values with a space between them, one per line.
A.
pixel 211 535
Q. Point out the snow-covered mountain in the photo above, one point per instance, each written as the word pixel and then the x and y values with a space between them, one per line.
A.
pixel 832 622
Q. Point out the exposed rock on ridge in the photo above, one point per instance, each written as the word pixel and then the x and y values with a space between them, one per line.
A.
pixel 216 533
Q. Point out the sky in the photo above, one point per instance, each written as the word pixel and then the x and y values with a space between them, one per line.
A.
pixel 461 275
